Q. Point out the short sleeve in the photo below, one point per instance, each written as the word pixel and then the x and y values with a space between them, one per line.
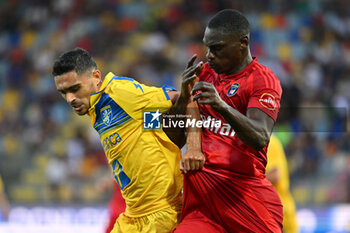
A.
pixel 266 95
pixel 135 98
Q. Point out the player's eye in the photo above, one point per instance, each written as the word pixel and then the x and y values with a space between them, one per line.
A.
pixel 75 89
pixel 217 48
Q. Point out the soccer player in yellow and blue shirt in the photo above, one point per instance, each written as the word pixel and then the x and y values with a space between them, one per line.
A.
pixel 145 163
pixel 277 173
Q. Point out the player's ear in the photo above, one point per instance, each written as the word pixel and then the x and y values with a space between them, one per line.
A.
pixel 244 42
pixel 96 75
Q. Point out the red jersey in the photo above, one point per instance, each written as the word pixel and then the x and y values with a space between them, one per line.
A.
pixel 231 193
pixel 254 87
pixel 116 206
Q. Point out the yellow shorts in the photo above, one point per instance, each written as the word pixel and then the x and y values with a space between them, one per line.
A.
pixel 163 221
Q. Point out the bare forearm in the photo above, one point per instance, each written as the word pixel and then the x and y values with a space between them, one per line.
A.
pixel 193 159
pixel 194 135
pixel 250 131
pixel 177 135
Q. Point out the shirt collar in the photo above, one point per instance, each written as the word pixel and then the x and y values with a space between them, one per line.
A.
pixel 240 74
pixel 94 97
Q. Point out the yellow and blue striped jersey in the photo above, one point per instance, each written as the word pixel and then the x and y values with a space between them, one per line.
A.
pixel 145 162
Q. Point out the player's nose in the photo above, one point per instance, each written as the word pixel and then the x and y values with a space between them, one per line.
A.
pixel 209 55
pixel 70 97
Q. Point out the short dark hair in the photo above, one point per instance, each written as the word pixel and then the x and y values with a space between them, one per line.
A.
pixel 230 21
pixel 78 60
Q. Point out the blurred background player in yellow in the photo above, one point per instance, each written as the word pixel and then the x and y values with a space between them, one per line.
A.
pixel 277 173
pixel 145 163
pixel 4 204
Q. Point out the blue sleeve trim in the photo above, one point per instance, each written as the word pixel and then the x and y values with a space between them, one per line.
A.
pixel 123 78
pixel 124 179
pixel 166 89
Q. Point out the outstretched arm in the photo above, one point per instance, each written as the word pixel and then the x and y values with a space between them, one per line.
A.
pixel 193 159
pixel 182 100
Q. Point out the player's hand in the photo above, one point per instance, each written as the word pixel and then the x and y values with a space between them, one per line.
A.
pixel 190 74
pixel 192 160
pixel 206 94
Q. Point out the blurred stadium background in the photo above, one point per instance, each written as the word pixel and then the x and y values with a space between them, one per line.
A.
pixel 51 161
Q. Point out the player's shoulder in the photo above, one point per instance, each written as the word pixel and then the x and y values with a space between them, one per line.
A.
pixel 123 87
pixel 121 81
pixel 264 77
pixel 260 70
pixel 112 80
pixel 123 84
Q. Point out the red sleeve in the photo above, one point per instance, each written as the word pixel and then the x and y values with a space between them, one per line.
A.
pixel 265 93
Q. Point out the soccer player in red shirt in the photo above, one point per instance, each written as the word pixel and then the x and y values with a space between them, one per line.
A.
pixel 231 193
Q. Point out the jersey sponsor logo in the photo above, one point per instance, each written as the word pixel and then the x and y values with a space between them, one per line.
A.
pixel 151 120
pixel 224 129
pixel 233 89
pixel 111 141
pixel 268 101
pixel 106 113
